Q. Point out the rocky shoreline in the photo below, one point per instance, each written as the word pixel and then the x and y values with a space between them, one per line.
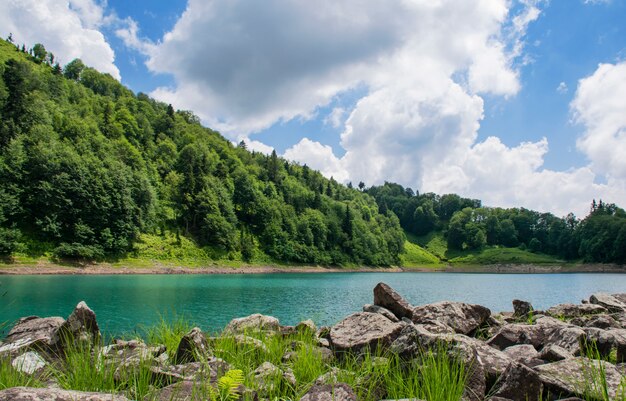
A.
pixel 569 351
pixel 107 269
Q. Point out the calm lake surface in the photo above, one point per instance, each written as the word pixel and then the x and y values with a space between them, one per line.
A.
pixel 128 303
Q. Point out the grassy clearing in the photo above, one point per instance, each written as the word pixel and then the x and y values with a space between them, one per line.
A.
pixel 502 255
pixel 416 256
pixel 436 244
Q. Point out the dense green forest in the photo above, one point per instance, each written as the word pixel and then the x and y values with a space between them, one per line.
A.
pixel 466 225
pixel 87 168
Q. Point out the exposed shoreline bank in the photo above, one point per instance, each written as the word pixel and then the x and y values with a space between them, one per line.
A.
pixel 108 269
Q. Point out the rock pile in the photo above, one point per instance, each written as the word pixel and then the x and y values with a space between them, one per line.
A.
pixel 522 355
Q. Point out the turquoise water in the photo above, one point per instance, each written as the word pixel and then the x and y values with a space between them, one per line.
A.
pixel 127 303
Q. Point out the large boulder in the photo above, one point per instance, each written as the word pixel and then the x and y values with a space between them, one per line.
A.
pixel 255 322
pixel 462 317
pixel 386 297
pixel 521 309
pixel 80 326
pixel 193 347
pixel 569 377
pixel 383 311
pixel 569 311
pixel 601 321
pixel 55 394
pixel 518 383
pixel 329 392
pixel 613 304
pixel 525 354
pixel 516 334
pixel 620 297
pixel 545 331
pixel 554 353
pixel 31 333
pixel 363 330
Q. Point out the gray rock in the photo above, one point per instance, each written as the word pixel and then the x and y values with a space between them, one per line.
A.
pixel 601 321
pixel 30 363
pixel 80 326
pixel 569 376
pixel 569 311
pixel 570 338
pixel 493 361
pixel 519 383
pixel 611 303
pixel 193 347
pixel 389 299
pixel 255 322
pixel 31 333
pixel 525 354
pixel 600 340
pixel 208 370
pixel 516 333
pixel 129 355
pixel 183 391
pixel 411 340
pixel 330 392
pixel 55 394
pixel 619 336
pixel 521 308
pixel 306 326
pixel 363 330
pixel 620 297
pixel 463 318
pixel 334 376
pixel 246 341
pixel 266 374
pixel 554 353
pixel 383 311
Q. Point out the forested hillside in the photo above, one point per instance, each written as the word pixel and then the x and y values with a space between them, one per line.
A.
pixel 90 170
pixel 86 166
pixel 466 225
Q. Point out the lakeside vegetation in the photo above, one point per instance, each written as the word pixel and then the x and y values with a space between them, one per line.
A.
pixel 434 375
pixel 93 172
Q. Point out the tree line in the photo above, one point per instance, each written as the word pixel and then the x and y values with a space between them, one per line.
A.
pixel 466 224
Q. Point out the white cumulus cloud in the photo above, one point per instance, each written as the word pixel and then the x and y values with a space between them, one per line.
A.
pixel 600 105
pixel 68 29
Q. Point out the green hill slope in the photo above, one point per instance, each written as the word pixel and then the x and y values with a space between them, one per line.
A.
pixel 90 170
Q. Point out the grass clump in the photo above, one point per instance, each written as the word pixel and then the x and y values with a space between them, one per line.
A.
pixel 11 377
pixel 168 332
pixel 595 386
pixel 81 369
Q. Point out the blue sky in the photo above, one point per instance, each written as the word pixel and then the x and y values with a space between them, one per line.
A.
pixel 518 103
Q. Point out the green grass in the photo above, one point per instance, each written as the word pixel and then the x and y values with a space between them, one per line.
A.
pixel 9 377
pixel 502 255
pixel 416 256
pixel 168 332
pixel 372 375
pixel 595 386
pixel 436 244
